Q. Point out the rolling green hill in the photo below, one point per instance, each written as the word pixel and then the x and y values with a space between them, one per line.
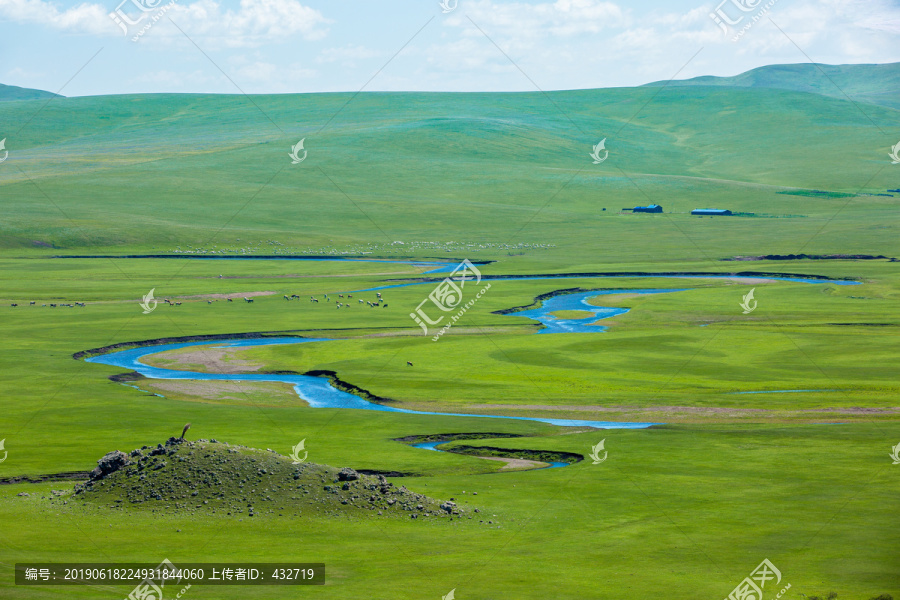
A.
pixel 12 92
pixel 447 171
pixel 873 84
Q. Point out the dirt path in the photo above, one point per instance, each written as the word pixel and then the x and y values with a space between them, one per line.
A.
pixel 516 463
pixel 699 410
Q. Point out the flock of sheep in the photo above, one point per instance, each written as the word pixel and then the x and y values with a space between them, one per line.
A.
pixel 32 303
pixel 379 301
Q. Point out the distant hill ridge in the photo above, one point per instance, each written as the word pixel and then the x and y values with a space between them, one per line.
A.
pixel 873 84
pixel 12 92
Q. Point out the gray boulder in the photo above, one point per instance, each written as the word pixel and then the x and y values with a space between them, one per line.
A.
pixel 110 463
pixel 347 474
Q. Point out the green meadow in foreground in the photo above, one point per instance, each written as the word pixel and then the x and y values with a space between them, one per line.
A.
pixel 736 471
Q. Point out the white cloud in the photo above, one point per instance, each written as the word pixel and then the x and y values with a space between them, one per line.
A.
pixel 256 22
pixel 253 23
pixel 84 18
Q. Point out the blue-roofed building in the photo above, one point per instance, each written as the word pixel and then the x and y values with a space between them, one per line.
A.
pixel 653 208
pixel 710 212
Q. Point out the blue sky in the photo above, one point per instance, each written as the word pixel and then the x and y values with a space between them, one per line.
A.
pixel 281 46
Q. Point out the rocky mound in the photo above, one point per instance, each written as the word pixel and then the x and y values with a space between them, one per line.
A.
pixel 236 481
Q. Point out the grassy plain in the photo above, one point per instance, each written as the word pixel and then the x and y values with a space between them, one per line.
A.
pixel 686 509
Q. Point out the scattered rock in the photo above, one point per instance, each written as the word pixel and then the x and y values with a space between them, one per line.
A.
pixel 347 474
pixel 110 463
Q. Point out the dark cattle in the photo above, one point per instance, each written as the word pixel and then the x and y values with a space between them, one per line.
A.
pixel 408 364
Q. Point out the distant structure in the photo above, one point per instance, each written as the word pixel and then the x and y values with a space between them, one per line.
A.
pixel 653 208
pixel 710 212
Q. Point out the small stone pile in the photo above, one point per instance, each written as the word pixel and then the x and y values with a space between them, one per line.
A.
pixel 236 481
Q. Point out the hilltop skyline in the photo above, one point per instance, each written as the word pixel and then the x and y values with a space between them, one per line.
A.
pixel 258 46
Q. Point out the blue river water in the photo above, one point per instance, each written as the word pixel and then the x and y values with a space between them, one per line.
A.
pixel 317 391
pixel 748 279
pixel 578 301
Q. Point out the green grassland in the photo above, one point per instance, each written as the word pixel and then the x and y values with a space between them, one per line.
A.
pixel 682 510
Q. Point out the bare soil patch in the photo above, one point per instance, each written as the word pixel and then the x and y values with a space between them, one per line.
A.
pixel 257 393
pixel 516 463
pixel 208 359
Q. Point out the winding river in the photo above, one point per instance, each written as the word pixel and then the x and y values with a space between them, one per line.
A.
pixel 316 391
pixel 319 393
